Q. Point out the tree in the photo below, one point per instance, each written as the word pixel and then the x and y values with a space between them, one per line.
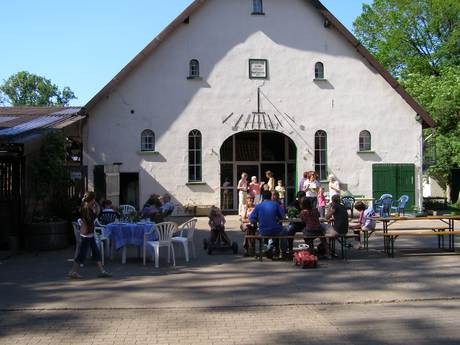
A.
pixel 411 36
pixel 27 89
pixel 440 95
pixel 418 41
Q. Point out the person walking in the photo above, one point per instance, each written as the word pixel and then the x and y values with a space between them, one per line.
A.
pixel 88 216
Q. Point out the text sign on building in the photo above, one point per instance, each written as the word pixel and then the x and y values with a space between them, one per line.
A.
pixel 258 69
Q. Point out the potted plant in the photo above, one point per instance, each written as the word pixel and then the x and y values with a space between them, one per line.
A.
pixel 48 205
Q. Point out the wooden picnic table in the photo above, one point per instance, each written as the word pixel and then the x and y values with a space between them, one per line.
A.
pixel 390 234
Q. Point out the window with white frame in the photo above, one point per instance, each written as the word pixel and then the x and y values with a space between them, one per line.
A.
pixel 194 69
pixel 194 156
pixel 321 154
pixel 319 70
pixel 365 141
pixel 257 7
pixel 147 140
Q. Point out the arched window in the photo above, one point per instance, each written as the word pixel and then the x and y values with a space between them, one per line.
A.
pixel 194 69
pixel 364 141
pixel 194 156
pixel 319 70
pixel 257 7
pixel 147 140
pixel 321 154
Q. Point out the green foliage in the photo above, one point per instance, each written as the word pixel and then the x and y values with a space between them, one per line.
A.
pixel 440 95
pixel 419 43
pixel 26 89
pixel 409 36
pixel 50 178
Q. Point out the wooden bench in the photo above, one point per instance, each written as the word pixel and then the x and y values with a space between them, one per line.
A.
pixel 368 232
pixel 330 238
pixel 391 235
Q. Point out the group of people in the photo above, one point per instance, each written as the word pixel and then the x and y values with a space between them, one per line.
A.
pixel 310 206
pixel 157 208
pixel 254 189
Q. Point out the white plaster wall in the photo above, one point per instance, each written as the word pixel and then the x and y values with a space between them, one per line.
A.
pixel 223 36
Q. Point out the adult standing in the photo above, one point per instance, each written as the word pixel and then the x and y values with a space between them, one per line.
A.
pixel 311 187
pixel 302 181
pixel 334 186
pixel 271 181
pixel 242 193
pixel 88 216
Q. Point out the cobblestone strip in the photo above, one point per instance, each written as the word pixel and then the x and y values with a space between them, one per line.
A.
pixel 264 325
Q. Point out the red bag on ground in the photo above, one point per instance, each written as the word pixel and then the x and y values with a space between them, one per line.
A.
pixel 302 257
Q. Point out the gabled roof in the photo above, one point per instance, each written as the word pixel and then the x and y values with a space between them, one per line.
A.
pixel 427 121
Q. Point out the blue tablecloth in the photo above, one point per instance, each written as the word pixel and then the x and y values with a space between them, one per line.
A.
pixel 123 234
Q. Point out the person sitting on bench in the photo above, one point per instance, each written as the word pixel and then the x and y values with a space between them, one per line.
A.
pixel 167 206
pixel 293 212
pixel 267 214
pixel 310 216
pixel 339 215
pixel 366 222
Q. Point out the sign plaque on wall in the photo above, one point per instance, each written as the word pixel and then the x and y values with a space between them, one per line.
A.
pixel 258 69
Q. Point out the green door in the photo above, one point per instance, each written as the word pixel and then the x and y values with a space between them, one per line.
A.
pixel 394 179
pixel 383 180
pixel 406 183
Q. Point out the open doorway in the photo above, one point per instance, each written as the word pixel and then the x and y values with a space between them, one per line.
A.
pixel 129 189
pixel 256 152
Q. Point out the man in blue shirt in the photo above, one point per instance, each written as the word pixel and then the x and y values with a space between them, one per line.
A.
pixel 267 214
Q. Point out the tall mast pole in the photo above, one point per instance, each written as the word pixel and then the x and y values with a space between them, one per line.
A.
pixel 258 99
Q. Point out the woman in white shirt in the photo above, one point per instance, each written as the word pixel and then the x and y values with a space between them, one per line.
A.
pixel 334 187
pixel 311 187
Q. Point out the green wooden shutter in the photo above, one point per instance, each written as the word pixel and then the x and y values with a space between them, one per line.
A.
pixel 383 180
pixel 406 183
pixel 394 179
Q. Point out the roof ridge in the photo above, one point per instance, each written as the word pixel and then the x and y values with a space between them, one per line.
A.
pixel 332 20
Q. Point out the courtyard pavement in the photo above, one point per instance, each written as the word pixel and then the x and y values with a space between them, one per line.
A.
pixel 226 299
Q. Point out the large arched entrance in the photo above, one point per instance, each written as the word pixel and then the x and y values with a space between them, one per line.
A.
pixel 255 152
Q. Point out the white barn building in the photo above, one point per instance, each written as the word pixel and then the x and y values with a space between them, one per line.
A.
pixel 243 85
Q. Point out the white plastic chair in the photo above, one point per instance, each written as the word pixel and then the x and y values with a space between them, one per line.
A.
pixel 98 231
pixel 165 232
pixel 102 237
pixel 126 210
pixel 186 237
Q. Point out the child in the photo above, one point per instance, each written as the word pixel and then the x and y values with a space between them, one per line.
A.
pixel 366 222
pixel 321 202
pixel 277 199
pixel 254 189
pixel 217 225
pixel 281 191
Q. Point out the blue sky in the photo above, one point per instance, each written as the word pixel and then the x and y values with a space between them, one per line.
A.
pixel 83 44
